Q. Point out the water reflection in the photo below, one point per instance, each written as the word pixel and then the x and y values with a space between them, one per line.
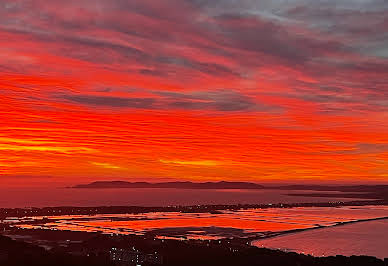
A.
pixel 225 224
pixel 364 238
pixel 44 197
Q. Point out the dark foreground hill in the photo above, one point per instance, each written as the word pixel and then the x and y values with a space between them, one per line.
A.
pixel 16 253
pixel 13 253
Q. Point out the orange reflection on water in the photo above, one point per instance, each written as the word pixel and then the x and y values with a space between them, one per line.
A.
pixel 259 226
pixel 193 225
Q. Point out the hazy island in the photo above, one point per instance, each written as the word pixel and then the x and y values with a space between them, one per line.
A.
pixel 375 192
pixel 181 185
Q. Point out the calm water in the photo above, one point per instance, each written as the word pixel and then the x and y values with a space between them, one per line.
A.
pixel 364 238
pixel 369 238
pixel 243 223
pixel 43 197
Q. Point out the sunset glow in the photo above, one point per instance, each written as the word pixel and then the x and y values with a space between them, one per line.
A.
pixel 128 90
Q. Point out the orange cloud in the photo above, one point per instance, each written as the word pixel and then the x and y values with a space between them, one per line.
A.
pixel 221 95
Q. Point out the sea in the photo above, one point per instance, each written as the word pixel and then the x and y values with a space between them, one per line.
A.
pixel 61 196
pixel 357 238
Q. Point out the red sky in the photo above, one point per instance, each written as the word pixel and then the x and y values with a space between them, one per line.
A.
pixel 193 90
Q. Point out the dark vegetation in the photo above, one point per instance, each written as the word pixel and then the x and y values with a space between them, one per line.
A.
pixel 14 253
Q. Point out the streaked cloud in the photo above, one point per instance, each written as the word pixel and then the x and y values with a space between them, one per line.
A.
pixel 110 101
pixel 106 165
pixel 270 89
pixel 191 163
pixel 218 100
pixel 44 148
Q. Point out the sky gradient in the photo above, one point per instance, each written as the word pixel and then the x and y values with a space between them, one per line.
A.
pixel 193 90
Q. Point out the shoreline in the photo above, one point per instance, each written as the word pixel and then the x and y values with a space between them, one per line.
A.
pixel 296 231
pixel 256 242
pixel 240 243
pixel 71 210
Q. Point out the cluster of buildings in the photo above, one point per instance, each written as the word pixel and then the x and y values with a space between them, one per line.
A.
pixel 134 257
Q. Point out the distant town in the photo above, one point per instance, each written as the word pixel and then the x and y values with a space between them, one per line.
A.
pixel 9 213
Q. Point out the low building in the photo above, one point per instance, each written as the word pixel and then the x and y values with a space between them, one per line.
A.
pixel 134 257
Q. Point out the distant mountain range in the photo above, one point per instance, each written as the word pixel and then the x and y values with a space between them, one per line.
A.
pixel 182 185
pixel 365 191
pixel 229 185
